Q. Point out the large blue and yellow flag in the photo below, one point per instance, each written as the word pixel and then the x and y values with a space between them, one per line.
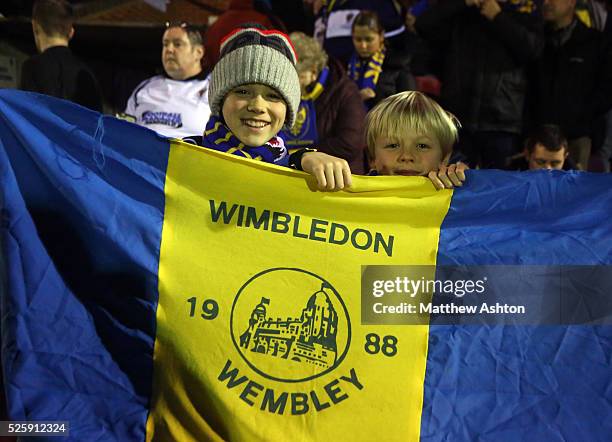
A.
pixel 158 291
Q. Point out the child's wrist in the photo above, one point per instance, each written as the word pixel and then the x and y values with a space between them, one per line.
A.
pixel 295 159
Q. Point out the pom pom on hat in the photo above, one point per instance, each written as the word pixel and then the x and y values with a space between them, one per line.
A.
pixel 251 55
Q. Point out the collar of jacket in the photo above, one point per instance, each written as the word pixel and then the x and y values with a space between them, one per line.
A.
pixel 559 37
pixel 201 76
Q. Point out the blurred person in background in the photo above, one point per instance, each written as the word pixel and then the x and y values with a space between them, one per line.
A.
pixel 331 114
pixel 545 148
pixel 334 22
pixel 487 47
pixel 425 64
pixel 572 83
pixel 174 104
pixel 296 15
pixel 55 70
pixel 378 71
pixel 238 14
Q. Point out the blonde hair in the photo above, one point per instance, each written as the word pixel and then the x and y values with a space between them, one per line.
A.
pixel 411 110
pixel 309 53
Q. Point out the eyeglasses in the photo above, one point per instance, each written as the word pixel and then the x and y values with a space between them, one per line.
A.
pixel 177 24
pixel 187 27
pixel 194 33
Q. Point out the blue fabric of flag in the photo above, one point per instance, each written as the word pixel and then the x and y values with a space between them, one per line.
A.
pixel 82 213
pixel 82 208
pixel 518 383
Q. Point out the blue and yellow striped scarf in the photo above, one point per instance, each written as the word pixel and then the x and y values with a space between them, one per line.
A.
pixel 366 72
pixel 304 131
pixel 217 136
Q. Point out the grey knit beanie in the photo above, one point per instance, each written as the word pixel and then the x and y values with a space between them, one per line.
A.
pixel 250 55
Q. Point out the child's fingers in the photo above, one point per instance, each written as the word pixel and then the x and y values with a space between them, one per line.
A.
pixel 348 178
pixel 339 177
pixel 461 174
pixel 461 168
pixel 444 177
pixel 342 174
pixel 452 175
pixel 446 181
pixel 329 175
pixel 433 177
pixel 455 180
pixel 319 174
pixel 330 172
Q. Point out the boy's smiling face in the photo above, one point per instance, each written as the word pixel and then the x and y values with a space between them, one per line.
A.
pixel 412 155
pixel 254 113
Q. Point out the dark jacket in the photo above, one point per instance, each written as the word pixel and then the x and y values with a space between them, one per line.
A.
pixel 395 77
pixel 340 118
pixel 58 73
pixel 484 81
pixel 569 80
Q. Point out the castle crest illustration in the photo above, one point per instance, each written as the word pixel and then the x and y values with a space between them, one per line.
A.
pixel 309 338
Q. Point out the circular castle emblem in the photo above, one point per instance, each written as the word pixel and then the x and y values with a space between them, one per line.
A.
pixel 290 325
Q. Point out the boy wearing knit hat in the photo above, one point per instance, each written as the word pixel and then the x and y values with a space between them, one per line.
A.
pixel 255 92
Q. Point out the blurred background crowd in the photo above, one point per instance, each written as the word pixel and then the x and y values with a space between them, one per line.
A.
pixel 529 81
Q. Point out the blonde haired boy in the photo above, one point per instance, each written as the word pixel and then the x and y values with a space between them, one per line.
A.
pixel 410 134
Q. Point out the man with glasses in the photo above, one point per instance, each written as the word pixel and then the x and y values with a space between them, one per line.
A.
pixel 174 104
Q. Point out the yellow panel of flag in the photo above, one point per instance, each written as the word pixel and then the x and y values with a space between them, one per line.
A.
pixel 269 346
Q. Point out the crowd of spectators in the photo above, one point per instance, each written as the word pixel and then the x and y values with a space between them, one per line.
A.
pixel 530 81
